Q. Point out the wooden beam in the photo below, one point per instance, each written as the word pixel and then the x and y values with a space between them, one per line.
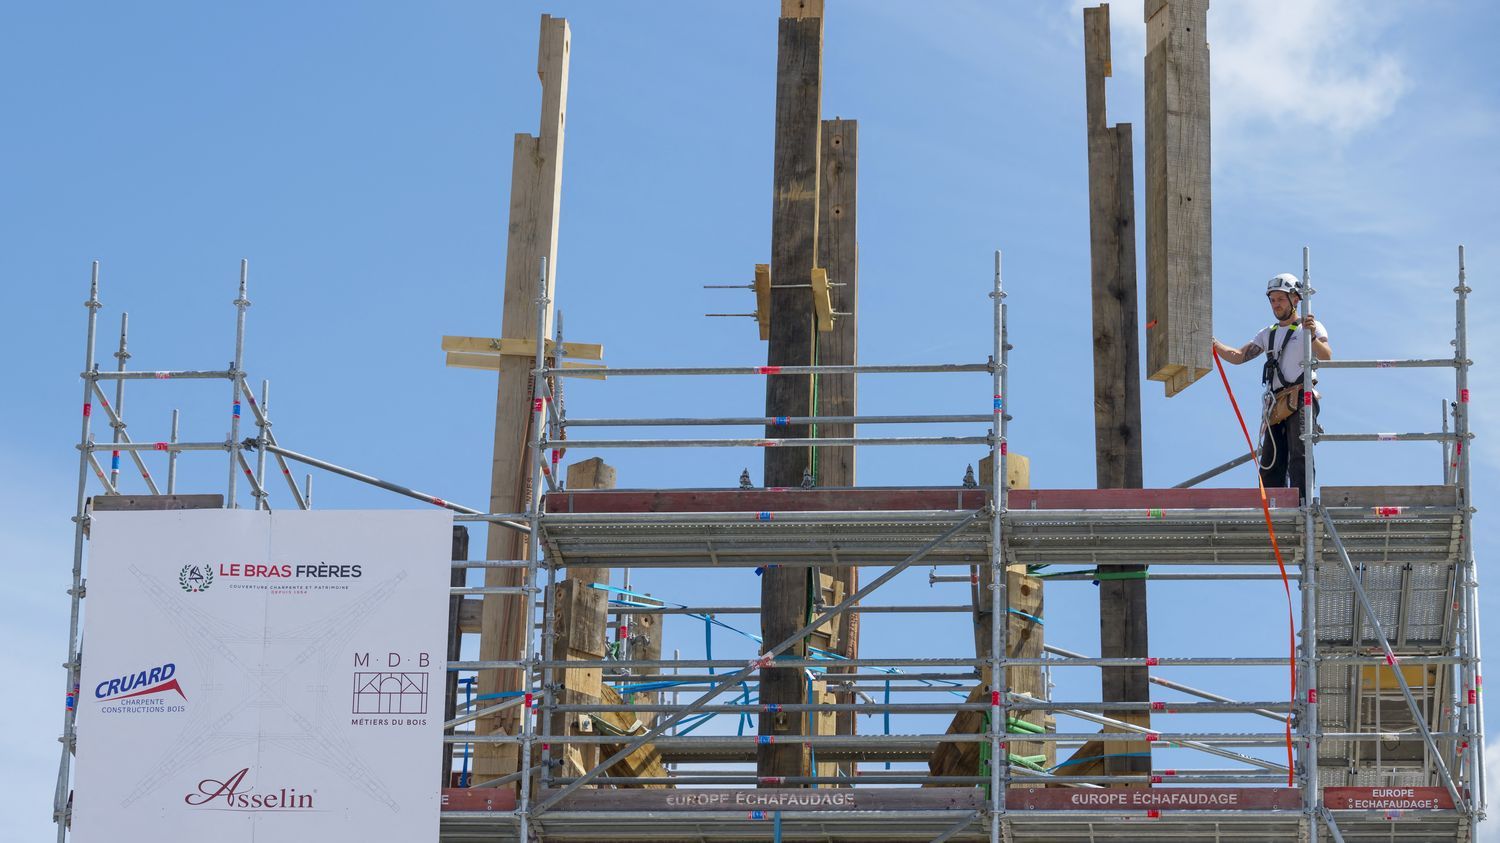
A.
pixel 536 186
pixel 763 299
pixel 1179 235
pixel 802 8
pixel 838 395
pixel 1024 639
pixel 491 363
pixel 1117 392
pixel 794 252
pixel 581 632
pixel 524 348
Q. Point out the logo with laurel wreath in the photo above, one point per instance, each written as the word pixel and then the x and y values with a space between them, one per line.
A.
pixel 193 579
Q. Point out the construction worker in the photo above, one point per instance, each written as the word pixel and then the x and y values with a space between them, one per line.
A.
pixel 1282 452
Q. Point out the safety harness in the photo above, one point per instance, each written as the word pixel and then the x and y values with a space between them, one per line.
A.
pixel 1271 376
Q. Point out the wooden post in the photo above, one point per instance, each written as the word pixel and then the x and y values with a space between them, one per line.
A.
pixel 1117 393
pixel 592 473
pixel 1179 231
pixel 837 395
pixel 455 644
pixel 535 190
pixel 582 631
pixel 1025 637
pixel 794 251
pixel 581 627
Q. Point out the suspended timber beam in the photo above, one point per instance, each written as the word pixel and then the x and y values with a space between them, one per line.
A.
pixel 1179 231
pixel 1117 385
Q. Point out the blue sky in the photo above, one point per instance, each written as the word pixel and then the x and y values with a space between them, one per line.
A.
pixel 358 155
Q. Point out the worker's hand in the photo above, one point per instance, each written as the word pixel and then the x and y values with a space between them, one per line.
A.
pixel 1307 322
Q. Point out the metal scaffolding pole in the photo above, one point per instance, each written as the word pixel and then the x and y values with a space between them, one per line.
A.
pixel 172 455
pixel 60 802
pixel 1468 640
pixel 862 369
pixel 241 303
pixel 999 597
pixel 117 417
pixel 1305 693
pixel 533 536
pixel 261 494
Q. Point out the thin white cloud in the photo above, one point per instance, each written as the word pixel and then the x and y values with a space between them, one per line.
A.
pixel 1313 66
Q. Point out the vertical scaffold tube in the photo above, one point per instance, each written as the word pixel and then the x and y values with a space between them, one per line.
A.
pixel 538 422
pixel 240 305
pixel 549 594
pixel 1307 689
pixel 999 598
pixel 121 356
pixel 262 421
pixel 80 518
pixel 172 456
pixel 1467 642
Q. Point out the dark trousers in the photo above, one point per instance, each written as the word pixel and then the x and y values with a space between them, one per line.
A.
pixel 1281 449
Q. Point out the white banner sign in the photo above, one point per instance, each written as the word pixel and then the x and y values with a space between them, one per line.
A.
pixel 254 676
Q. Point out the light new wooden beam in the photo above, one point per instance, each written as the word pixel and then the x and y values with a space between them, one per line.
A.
pixel 535 192
pixel 763 299
pixel 523 348
pixel 491 363
pixel 1179 232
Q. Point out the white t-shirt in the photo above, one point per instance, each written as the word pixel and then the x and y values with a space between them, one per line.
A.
pixel 1270 339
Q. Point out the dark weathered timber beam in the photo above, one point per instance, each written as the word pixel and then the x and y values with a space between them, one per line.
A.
pixel 794 252
pixel 1117 396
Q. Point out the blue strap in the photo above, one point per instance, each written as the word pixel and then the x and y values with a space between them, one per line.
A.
pixel 887 713
pixel 708 641
pixel 1089 758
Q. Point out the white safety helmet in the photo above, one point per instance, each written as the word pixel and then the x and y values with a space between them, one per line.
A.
pixel 1284 283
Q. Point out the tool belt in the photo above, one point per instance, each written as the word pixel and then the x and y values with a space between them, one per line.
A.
pixel 1284 402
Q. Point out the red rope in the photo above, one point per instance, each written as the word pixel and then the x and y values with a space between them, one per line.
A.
pixel 1291 626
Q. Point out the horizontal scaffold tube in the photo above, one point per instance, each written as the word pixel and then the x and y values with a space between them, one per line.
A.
pixel 633 664
pixel 186 374
pixel 862 369
pixel 956 705
pixel 753 610
pixel 1388 437
pixel 830 442
pixel 937 516
pixel 770 421
pixel 1164 661
pixel 1437 363
pixel 168 447
pixel 1163 738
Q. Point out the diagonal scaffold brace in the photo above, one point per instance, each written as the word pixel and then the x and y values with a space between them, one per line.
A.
pixel 1390 657
pixel 765 659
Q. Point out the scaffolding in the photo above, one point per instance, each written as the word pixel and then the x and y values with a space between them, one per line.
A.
pixel 1388 658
